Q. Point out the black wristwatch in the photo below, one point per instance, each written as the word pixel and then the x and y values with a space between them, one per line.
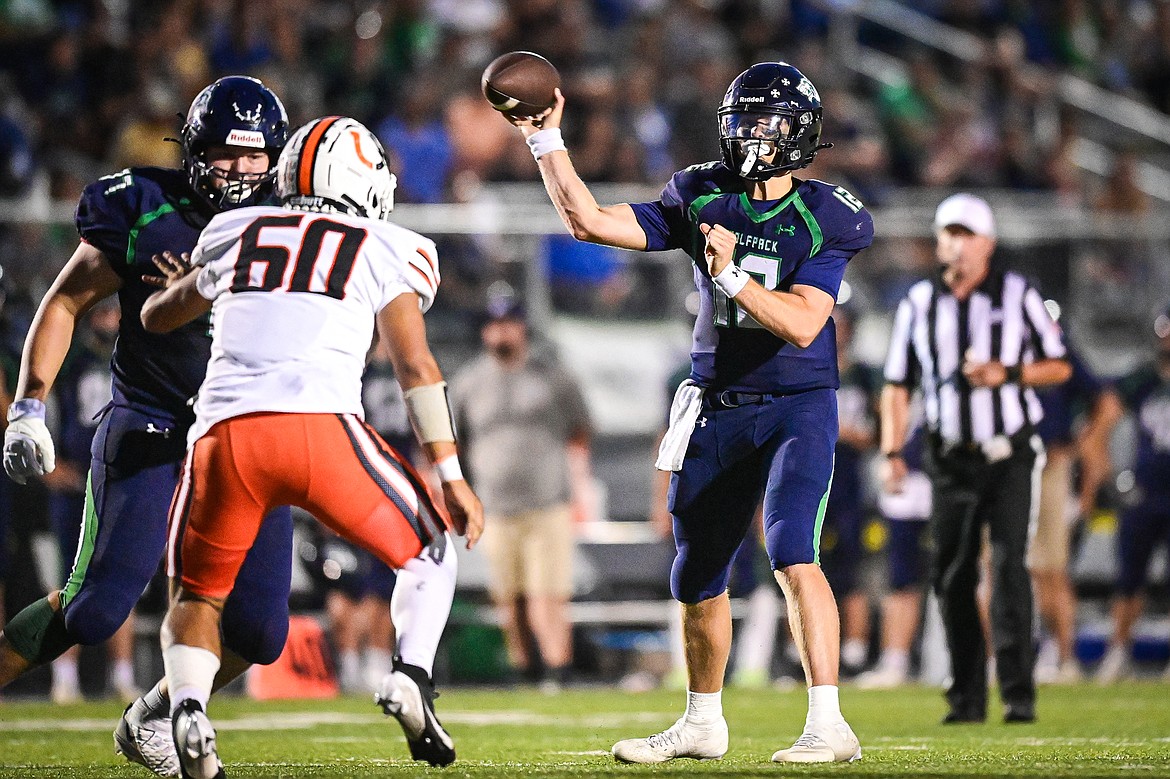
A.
pixel 1013 374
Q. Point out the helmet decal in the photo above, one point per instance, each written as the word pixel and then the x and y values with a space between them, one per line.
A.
pixel 336 164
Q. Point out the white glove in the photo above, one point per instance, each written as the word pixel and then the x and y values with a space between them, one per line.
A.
pixel 28 447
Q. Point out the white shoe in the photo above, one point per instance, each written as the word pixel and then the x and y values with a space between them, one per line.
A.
pixel 126 693
pixel 146 740
pixel 195 742
pixel 822 743
pixel 882 679
pixel 1047 663
pixel 1066 672
pixel 682 739
pixel 1115 666
pixel 65 694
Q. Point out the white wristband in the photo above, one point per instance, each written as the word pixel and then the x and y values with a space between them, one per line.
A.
pixel 448 468
pixel 731 280
pixel 545 141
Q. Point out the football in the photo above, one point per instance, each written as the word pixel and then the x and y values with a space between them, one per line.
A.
pixel 520 83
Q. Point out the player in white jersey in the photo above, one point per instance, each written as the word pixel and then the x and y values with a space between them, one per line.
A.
pixel 296 294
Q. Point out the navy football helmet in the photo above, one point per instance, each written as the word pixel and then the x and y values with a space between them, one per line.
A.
pixel 234 111
pixel 770 121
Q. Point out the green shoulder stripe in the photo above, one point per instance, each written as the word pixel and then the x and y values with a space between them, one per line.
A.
pixel 814 227
pixel 697 204
pixel 143 221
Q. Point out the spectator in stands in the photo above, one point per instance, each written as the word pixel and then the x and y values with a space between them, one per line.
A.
pixel 17 162
pixel 1122 193
pixel 292 71
pixel 1151 62
pixel 524 422
pixel 1145 518
pixel 842 550
pixel 905 513
pixel 416 135
pixel 694 135
pixel 477 139
pixel 1048 548
pixel 142 140
pixel 642 110
pixel 911 110
pixel 239 37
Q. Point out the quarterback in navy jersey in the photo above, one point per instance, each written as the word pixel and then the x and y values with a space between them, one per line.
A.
pixel 758 415
pixel 234 131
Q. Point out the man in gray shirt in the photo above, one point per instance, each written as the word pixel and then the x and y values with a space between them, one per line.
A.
pixel 526 430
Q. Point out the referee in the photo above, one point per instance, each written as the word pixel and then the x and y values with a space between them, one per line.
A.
pixel 976 341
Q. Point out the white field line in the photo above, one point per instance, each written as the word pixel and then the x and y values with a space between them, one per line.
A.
pixel 307 720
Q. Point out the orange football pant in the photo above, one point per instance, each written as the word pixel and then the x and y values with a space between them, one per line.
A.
pixel 332 465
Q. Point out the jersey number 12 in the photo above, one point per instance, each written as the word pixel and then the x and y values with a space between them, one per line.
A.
pixel 765 270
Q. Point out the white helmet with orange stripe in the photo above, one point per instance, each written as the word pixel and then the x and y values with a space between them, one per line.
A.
pixel 335 164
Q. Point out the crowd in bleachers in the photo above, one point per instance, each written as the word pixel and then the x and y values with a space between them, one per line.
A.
pixel 90 87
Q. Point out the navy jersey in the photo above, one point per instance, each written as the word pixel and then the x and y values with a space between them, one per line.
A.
pixel 805 238
pixel 131 216
pixel 1064 402
pixel 1147 395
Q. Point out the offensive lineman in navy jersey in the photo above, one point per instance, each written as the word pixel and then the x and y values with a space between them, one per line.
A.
pixel 232 137
pixel 758 416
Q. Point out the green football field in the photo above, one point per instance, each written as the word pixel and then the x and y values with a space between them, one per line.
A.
pixel 1082 731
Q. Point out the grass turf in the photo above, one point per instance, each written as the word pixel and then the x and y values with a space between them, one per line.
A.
pixel 1083 731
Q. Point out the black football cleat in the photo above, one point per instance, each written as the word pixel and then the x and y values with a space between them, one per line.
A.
pixel 408 695
pixel 195 742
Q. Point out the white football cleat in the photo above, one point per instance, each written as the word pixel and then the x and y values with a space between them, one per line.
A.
pixel 682 739
pixel 832 742
pixel 195 742
pixel 145 738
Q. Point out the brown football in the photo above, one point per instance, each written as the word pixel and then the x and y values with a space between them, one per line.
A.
pixel 520 83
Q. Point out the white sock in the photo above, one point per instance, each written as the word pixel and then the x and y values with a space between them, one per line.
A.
pixel 349 667
pixel 703 707
pixel 154 703
pixel 420 605
pixel 379 662
pixel 897 660
pixel 65 673
pixel 854 652
pixel 122 674
pixel 823 704
pixel 190 673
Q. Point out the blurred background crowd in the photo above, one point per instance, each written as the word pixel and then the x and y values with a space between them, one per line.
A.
pixel 1056 110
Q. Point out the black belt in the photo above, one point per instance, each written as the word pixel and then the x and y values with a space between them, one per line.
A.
pixel 733 399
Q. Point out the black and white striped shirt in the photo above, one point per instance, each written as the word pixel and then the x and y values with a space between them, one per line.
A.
pixel 1005 320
